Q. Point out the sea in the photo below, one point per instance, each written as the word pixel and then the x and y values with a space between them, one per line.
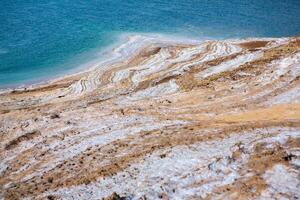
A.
pixel 44 39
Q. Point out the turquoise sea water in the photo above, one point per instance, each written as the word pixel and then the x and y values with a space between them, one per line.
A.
pixel 46 38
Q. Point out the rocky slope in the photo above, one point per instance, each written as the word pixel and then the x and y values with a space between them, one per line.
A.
pixel 162 120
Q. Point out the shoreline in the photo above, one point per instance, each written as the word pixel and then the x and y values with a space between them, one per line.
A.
pixel 122 49
pixel 108 55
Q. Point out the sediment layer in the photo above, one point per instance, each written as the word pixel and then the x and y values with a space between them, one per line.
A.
pixel 210 120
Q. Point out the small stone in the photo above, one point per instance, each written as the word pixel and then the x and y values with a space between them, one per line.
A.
pixel 115 196
pixel 162 155
pixel 50 180
pixel 50 197
pixel 54 116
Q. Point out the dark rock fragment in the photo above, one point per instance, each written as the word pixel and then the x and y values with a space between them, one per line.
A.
pixel 115 196
pixel 54 116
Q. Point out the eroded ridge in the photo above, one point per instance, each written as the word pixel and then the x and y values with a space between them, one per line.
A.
pixel 166 120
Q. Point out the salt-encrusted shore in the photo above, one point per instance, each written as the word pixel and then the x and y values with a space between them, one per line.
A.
pixel 160 119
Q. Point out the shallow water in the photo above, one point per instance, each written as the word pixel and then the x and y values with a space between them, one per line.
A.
pixel 42 39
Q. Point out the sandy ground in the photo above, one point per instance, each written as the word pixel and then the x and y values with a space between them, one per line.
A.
pixel 165 120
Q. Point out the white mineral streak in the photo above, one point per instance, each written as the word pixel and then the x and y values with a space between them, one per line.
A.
pixel 283 182
pixel 229 65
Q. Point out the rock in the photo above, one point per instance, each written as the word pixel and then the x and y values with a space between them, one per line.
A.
pixel 50 197
pixel 288 157
pixel 162 155
pixel 54 116
pixel 122 111
pixel 115 196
